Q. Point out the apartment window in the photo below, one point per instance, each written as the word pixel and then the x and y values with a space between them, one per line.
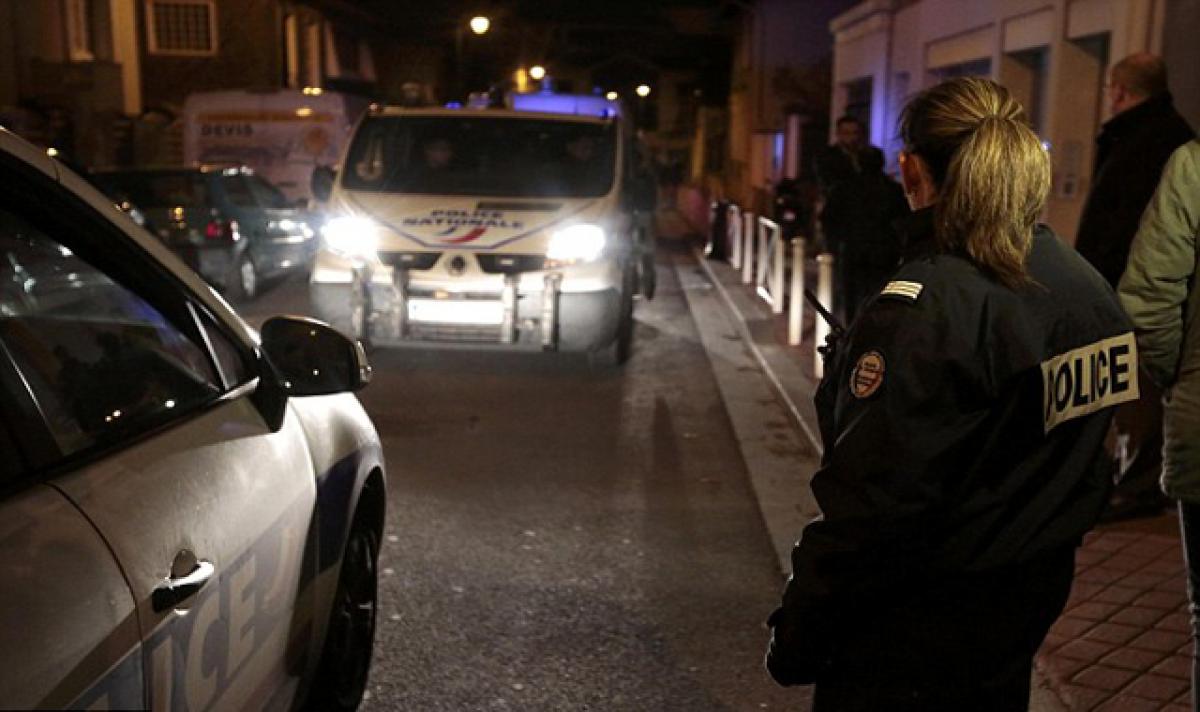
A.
pixel 187 27
pixel 79 30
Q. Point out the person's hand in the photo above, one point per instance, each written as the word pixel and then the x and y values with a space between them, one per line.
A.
pixel 792 658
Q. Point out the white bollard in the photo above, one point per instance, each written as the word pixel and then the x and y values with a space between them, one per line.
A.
pixel 825 297
pixel 760 265
pixel 748 247
pixel 777 273
pixel 796 294
pixel 733 230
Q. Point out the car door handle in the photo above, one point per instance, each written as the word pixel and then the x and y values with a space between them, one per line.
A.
pixel 176 590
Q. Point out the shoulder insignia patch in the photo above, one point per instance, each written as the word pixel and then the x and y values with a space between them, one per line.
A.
pixel 908 291
pixel 867 376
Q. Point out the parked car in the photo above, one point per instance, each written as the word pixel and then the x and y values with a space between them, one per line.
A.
pixel 227 223
pixel 190 511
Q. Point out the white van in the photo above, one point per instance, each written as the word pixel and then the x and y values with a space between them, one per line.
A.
pixel 282 134
pixel 516 227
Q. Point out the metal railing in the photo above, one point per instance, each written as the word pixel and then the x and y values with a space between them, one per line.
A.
pixel 759 251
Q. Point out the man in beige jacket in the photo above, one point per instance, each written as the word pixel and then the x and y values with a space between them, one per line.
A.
pixel 1161 294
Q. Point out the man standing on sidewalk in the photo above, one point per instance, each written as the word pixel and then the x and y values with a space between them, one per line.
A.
pixel 840 168
pixel 1131 151
pixel 1160 293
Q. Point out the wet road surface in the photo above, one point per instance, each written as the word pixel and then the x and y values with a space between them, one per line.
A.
pixel 566 538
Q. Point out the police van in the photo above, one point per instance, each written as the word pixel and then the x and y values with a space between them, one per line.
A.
pixel 524 227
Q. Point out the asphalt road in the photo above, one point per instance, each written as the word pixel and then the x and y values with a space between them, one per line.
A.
pixel 565 539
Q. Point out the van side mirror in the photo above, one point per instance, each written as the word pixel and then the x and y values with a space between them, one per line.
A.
pixel 322 181
pixel 312 358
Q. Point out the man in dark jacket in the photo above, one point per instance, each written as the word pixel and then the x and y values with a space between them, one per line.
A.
pixel 840 170
pixel 841 160
pixel 858 220
pixel 1131 151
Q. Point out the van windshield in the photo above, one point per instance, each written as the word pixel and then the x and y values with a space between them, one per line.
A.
pixel 472 155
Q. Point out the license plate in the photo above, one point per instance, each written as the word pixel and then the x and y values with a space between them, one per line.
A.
pixel 455 311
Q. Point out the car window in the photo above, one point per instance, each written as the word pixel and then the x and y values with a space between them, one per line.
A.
pixel 101 362
pixel 230 360
pixel 266 194
pixel 238 191
pixel 250 191
pixel 482 156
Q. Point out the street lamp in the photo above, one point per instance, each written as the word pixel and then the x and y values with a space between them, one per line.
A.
pixel 480 24
pixel 612 96
pixel 537 72
pixel 643 90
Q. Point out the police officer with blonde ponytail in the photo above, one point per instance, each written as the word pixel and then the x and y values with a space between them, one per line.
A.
pixel 963 421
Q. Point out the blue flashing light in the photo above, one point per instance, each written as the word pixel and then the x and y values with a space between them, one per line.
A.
pixel 454 105
pixel 573 104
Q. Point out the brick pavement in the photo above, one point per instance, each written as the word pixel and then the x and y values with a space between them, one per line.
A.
pixel 1123 642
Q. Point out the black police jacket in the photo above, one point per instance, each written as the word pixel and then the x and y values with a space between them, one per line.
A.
pixel 963 422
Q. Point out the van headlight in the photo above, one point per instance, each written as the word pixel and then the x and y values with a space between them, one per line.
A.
pixel 352 236
pixel 577 243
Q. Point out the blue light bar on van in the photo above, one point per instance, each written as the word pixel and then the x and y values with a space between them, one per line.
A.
pixel 574 104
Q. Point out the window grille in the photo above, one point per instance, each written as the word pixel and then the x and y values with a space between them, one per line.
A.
pixel 187 27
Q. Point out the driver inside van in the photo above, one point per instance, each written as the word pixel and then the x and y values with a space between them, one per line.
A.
pixel 435 166
pixel 579 170
pixel 438 154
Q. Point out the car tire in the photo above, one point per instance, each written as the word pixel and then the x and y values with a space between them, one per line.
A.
pixel 648 276
pixel 244 282
pixel 341 677
pixel 618 351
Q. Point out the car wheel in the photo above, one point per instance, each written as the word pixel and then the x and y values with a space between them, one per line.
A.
pixel 649 276
pixel 617 352
pixel 350 638
pixel 243 283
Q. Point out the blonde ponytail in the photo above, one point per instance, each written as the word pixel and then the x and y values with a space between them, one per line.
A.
pixel 990 169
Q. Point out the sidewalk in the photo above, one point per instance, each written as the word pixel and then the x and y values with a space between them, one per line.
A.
pixel 1123 642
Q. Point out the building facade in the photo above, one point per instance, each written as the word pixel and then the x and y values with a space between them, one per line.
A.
pixel 103 81
pixel 779 95
pixel 1053 54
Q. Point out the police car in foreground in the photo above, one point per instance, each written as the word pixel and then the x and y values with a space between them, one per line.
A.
pixel 190 513
pixel 518 227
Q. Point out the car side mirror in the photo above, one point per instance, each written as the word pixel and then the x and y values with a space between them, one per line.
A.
pixel 312 358
pixel 322 181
